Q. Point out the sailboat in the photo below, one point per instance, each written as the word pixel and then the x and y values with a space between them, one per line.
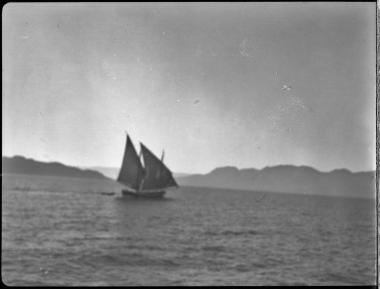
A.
pixel 150 180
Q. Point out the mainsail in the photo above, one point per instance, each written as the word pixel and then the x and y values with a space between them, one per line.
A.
pixel 131 171
pixel 157 175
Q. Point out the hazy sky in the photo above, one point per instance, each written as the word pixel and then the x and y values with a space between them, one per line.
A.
pixel 214 84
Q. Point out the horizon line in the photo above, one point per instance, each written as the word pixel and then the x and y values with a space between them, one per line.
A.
pixel 225 166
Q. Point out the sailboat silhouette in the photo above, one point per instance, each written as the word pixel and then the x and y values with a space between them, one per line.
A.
pixel 149 180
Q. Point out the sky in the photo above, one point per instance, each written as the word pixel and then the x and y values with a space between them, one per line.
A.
pixel 213 84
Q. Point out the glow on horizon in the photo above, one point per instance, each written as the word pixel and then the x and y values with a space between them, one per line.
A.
pixel 214 84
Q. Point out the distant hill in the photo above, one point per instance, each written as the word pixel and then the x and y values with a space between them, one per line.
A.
pixel 109 172
pixel 288 179
pixel 22 165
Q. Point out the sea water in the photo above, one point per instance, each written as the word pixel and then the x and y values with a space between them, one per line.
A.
pixel 195 236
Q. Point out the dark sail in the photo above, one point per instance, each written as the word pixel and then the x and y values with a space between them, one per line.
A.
pixel 157 175
pixel 131 171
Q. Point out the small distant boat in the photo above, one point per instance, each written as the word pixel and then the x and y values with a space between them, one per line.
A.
pixel 150 180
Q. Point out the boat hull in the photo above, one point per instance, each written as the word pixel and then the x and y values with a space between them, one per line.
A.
pixel 146 194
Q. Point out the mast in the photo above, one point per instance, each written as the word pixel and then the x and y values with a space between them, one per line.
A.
pixel 162 156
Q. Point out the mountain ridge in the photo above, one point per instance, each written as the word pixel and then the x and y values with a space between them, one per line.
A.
pixel 22 165
pixel 281 178
pixel 288 179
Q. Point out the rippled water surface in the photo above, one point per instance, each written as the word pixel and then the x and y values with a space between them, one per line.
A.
pixel 193 237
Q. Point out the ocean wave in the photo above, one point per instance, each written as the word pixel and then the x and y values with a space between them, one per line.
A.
pixel 197 239
pixel 233 232
pixel 213 248
pixel 239 233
